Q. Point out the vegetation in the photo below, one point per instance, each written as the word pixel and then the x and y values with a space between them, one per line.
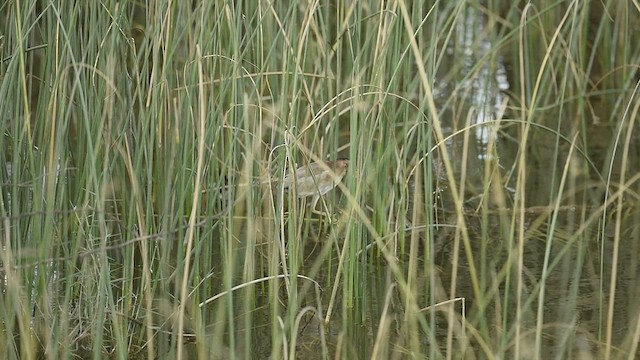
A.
pixel 490 207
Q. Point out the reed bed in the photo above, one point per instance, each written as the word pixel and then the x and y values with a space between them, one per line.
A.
pixel 489 209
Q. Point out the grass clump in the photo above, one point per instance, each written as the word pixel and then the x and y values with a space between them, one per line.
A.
pixel 489 208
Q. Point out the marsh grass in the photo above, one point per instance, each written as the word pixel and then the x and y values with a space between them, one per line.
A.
pixel 141 216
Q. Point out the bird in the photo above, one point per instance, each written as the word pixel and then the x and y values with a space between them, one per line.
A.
pixel 315 179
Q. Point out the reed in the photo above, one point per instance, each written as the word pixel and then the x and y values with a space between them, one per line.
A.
pixel 488 208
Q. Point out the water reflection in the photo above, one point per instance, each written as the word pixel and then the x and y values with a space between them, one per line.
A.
pixel 483 83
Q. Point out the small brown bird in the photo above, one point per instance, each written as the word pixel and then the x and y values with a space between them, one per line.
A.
pixel 316 180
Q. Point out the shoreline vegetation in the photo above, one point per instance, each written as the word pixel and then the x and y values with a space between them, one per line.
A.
pixel 489 209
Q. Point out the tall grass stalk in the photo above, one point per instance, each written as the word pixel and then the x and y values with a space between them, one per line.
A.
pixel 489 210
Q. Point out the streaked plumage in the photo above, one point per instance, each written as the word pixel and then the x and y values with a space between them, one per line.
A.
pixel 315 180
